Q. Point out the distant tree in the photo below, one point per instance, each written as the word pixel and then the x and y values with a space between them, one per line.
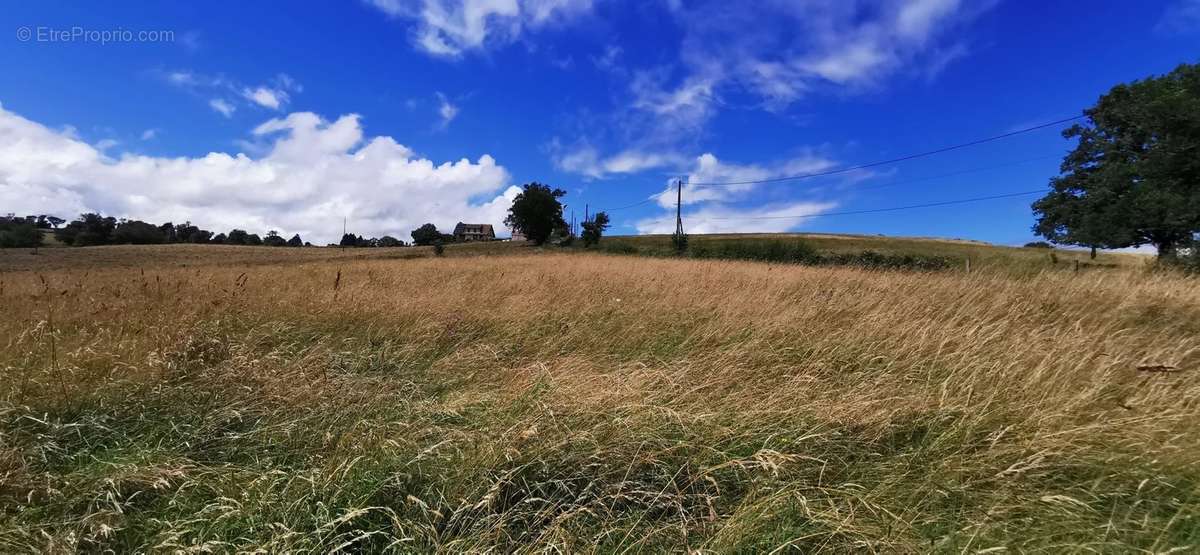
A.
pixel 536 212
pixel 389 241
pixel 349 240
pixel 594 229
pixel 274 240
pixel 219 239
pixel 55 221
pixel 1038 245
pixel 19 234
pixel 1134 177
pixel 425 235
pixel 295 241
pixel 168 232
pixel 254 240
pixel 137 232
pixel 88 229
pixel 237 237
pixel 199 236
pixel 188 233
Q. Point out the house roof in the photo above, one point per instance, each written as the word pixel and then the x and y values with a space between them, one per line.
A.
pixel 484 228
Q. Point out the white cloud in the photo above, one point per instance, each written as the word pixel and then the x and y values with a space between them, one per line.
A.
pixel 149 134
pixel 708 169
pixel 224 93
pixel 446 111
pixel 312 174
pixel 798 46
pixel 585 160
pixel 682 109
pixel 451 27
pixel 274 95
pixel 773 52
pixel 222 106
pixel 721 219
pixel 717 216
pixel 267 98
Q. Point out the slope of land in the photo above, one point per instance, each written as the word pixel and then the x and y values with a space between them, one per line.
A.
pixel 590 402
pixel 1013 260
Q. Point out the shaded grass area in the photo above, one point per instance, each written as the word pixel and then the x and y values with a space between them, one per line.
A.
pixel 796 251
pixel 587 403
pixel 869 251
pixel 203 256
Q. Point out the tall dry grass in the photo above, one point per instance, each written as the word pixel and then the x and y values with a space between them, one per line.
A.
pixel 576 402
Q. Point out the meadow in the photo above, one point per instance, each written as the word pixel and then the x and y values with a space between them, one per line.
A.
pixel 513 399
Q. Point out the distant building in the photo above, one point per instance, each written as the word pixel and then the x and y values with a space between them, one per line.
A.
pixel 473 232
pixel 517 235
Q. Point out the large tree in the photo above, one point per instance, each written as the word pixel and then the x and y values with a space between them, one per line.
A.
pixel 425 235
pixel 536 212
pixel 137 232
pixel 88 229
pixel 1134 177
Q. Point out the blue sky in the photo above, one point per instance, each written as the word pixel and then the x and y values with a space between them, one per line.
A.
pixel 395 112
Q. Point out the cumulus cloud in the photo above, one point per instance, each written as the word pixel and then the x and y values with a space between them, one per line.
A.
pixel 313 173
pixel 449 28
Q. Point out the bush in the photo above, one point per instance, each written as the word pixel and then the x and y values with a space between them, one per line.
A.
pixel 792 251
pixel 438 248
pixel 1038 245
pixel 880 261
pixel 680 242
pixel 618 248
pixel 19 235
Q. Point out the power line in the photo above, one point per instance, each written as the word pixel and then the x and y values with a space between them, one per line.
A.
pixel 634 205
pixel 873 210
pixel 890 161
pixel 956 173
pixel 656 196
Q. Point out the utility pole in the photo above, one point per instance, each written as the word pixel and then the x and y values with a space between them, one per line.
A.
pixel 585 215
pixel 342 241
pixel 678 206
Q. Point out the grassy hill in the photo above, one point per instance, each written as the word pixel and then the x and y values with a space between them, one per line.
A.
pixel 982 255
pixel 209 398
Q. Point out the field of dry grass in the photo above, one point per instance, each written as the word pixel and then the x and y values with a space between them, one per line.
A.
pixel 161 400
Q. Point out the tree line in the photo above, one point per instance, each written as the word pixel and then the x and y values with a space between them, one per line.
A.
pixel 92 229
pixel 536 212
